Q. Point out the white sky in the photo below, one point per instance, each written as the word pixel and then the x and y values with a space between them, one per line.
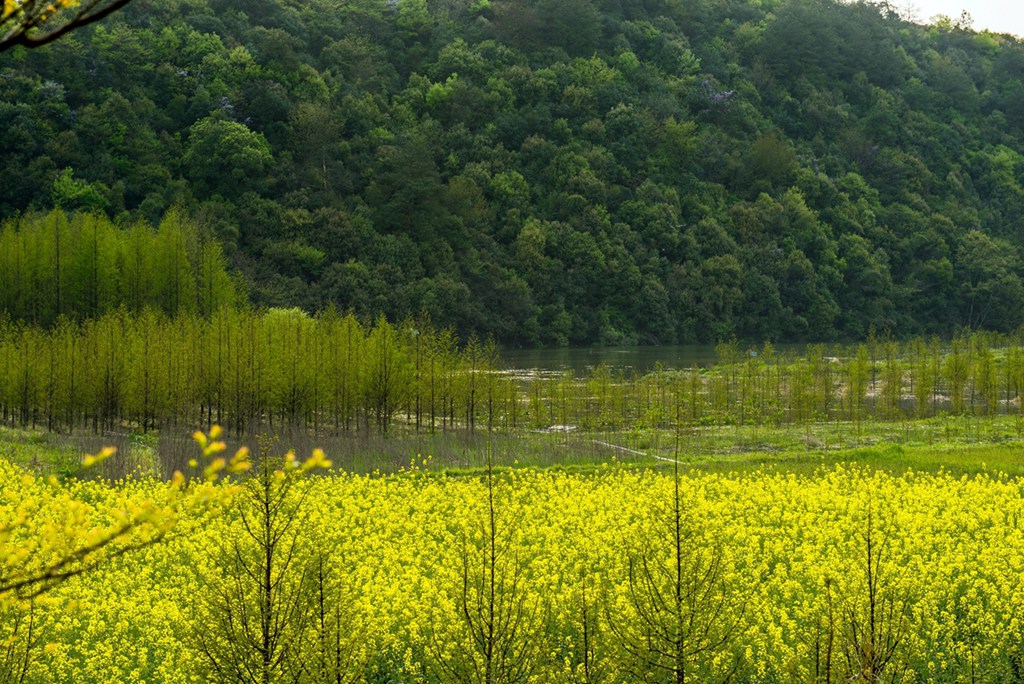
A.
pixel 999 16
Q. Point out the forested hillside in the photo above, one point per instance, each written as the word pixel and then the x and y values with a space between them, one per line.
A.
pixel 552 171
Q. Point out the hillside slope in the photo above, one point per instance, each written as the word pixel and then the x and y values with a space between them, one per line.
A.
pixel 553 171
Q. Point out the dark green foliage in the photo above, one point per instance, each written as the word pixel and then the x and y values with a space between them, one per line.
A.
pixel 545 171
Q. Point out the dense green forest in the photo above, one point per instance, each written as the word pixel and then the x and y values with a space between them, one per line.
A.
pixel 551 171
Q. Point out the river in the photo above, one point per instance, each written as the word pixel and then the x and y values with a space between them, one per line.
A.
pixel 642 359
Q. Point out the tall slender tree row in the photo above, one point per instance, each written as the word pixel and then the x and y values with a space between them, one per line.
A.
pixel 276 369
pixel 283 369
pixel 973 374
pixel 82 265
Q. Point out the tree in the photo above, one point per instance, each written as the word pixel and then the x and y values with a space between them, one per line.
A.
pixel 684 611
pixel 258 606
pixel 226 156
pixel 991 287
pixel 870 622
pixel 335 656
pixel 387 374
pixel 494 639
pixel 32 23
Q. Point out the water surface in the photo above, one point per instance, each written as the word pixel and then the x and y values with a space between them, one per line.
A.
pixel 641 359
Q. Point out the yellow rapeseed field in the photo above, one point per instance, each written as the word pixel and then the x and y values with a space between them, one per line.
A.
pixel 617 576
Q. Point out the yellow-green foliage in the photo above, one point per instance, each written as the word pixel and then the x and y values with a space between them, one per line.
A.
pixel 244 368
pixel 792 574
pixel 80 266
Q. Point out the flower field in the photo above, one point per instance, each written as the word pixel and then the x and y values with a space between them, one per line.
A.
pixel 847 575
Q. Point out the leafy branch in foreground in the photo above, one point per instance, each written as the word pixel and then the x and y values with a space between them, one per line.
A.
pixel 32 23
pixel 51 532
